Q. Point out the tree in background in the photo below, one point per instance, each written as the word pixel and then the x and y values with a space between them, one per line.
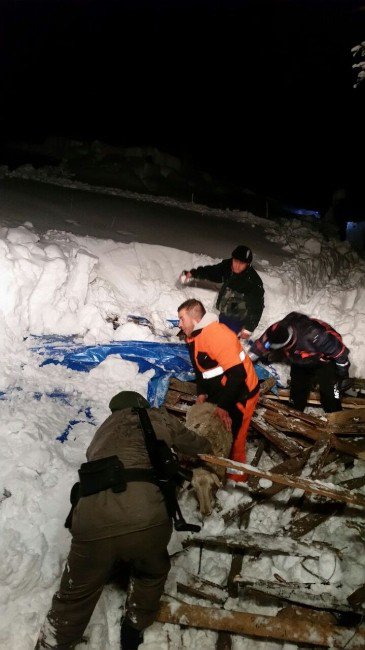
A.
pixel 358 52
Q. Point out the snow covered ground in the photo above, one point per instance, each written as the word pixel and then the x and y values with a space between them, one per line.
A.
pixel 59 282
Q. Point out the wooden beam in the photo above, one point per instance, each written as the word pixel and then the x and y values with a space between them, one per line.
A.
pixel 279 544
pixel 200 588
pixel 347 402
pixel 280 440
pixel 330 491
pixel 291 629
pixel 302 594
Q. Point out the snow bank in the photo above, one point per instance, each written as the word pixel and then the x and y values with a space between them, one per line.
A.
pixel 68 285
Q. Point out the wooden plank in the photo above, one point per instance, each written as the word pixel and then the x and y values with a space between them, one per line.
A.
pixel 290 424
pixel 314 399
pixel 224 641
pixel 267 385
pixel 334 492
pixel 236 568
pixel 291 466
pixel 354 417
pixel 344 424
pixel 200 588
pixel 188 387
pixel 357 598
pixel 302 594
pixel 280 440
pixel 321 511
pixel 272 544
pixel 291 629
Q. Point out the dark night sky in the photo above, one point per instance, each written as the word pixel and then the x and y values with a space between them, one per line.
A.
pixel 259 92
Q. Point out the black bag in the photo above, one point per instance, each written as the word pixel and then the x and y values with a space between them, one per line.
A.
pixel 98 475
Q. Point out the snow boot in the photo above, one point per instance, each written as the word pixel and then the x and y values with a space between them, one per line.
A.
pixel 130 638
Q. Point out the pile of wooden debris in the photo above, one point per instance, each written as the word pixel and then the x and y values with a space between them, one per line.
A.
pixel 313 453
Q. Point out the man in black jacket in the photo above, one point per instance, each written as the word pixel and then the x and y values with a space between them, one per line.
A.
pixel 241 298
pixel 315 351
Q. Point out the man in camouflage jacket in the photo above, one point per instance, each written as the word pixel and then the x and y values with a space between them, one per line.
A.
pixel 108 527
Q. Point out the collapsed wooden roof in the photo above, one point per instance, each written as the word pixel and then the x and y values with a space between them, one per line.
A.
pixel 310 449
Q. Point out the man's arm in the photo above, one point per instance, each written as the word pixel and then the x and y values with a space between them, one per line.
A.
pixel 261 347
pixel 213 272
pixel 184 440
pixel 333 348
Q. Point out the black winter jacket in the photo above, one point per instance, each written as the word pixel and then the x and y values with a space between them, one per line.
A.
pixel 241 297
pixel 314 341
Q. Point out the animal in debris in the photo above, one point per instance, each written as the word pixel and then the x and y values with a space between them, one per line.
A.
pixel 201 419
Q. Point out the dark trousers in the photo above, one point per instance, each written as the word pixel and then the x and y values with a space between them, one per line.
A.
pixel 89 566
pixel 304 377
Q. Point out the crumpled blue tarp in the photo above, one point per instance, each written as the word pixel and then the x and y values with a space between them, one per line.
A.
pixel 166 359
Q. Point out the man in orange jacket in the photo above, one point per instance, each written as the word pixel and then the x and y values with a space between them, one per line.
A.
pixel 225 374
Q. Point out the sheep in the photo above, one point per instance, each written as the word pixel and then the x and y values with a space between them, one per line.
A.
pixel 201 419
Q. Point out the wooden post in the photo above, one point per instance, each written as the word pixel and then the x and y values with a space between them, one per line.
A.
pixel 330 491
pixel 292 629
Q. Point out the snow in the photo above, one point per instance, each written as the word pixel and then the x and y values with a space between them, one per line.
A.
pixel 58 282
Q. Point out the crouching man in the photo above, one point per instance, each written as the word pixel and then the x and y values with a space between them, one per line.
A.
pixel 316 353
pixel 225 374
pixel 120 516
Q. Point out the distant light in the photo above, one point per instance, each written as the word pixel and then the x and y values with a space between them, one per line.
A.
pixel 302 212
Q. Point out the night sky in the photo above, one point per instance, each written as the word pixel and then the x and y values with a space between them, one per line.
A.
pixel 255 92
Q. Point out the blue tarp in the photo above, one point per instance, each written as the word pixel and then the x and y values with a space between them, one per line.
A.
pixel 166 359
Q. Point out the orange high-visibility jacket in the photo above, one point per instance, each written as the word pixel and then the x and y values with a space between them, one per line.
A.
pixel 224 371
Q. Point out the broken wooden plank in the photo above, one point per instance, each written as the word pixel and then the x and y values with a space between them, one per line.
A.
pixel 334 492
pixel 235 569
pixel 357 598
pixel 346 421
pixel 290 466
pixel 295 425
pixel 186 387
pixel 224 641
pixel 267 385
pixel 313 466
pixel 305 613
pixel 281 441
pixel 346 401
pixel 317 457
pixel 302 594
pixel 321 511
pixel 282 628
pixel 200 588
pixel 273 544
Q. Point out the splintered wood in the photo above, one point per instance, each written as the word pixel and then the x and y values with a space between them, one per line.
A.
pixel 311 450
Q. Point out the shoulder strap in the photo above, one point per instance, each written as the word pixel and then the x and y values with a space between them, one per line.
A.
pixel 149 435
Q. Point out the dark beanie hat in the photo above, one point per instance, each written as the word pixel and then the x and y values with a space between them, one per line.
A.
pixel 242 253
pixel 127 399
pixel 279 336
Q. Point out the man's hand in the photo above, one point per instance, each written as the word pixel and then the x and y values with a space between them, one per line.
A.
pixel 224 417
pixel 244 334
pixel 201 398
pixel 185 277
